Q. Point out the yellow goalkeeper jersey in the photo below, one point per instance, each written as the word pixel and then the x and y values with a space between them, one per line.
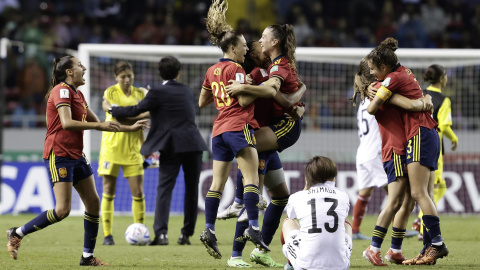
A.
pixel 122 148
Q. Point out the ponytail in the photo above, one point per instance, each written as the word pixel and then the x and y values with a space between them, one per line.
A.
pixel 220 32
pixel 362 80
pixel 288 43
pixel 59 73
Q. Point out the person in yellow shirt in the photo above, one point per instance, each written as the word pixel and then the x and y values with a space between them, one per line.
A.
pixel 121 149
pixel 442 113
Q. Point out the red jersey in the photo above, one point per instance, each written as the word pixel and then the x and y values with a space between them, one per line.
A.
pixel 231 116
pixel 402 81
pixel 263 106
pixel 280 68
pixel 64 143
pixel 392 129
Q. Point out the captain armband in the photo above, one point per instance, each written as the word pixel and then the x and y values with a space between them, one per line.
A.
pixel 383 93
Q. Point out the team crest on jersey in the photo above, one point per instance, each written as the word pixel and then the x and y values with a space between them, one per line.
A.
pixel 274 68
pixel 62 172
pixel 64 93
pixel 240 77
pixel 261 164
pixel 217 71
pixel 386 82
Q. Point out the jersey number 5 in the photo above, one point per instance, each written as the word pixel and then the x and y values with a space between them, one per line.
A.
pixel 224 99
pixel 330 212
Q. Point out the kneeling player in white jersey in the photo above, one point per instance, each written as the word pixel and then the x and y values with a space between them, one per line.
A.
pixel 322 237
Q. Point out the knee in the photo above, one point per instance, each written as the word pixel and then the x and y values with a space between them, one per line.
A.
pixel 395 204
pixel 62 212
pixel 417 195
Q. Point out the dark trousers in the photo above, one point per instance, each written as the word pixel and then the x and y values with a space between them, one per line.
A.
pixel 169 167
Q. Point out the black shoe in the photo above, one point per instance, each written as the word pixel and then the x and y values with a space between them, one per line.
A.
pixel 91 261
pixel 161 240
pixel 255 236
pixel 183 240
pixel 108 240
pixel 209 239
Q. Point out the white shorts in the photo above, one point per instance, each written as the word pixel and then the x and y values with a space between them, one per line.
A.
pixel 291 248
pixel 371 174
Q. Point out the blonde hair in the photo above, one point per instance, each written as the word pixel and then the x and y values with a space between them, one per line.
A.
pixel 362 80
pixel 220 32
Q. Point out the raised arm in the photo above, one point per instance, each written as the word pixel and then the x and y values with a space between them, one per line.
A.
pixel 137 125
pixel 288 100
pixel 245 100
pixel 144 105
pixel 267 89
pixel 421 104
pixel 92 121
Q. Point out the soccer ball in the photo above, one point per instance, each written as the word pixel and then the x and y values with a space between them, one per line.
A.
pixel 137 234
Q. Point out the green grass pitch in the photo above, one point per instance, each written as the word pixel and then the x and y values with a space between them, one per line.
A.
pixel 60 246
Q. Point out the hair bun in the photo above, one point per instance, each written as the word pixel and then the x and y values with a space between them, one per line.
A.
pixel 390 43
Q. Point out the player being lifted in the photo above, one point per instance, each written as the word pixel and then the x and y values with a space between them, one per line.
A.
pixel 232 135
pixel 270 167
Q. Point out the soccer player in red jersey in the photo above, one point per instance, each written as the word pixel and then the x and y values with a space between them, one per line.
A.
pixel 67 116
pixel 270 166
pixel 423 143
pixel 399 202
pixel 278 43
pixel 232 135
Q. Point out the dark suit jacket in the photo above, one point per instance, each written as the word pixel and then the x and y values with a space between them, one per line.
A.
pixel 172 114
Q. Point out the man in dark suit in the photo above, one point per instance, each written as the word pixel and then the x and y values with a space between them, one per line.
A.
pixel 173 132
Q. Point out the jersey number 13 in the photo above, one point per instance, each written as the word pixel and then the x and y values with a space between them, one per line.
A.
pixel 330 212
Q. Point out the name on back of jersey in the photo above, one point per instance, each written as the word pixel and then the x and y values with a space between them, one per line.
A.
pixel 321 189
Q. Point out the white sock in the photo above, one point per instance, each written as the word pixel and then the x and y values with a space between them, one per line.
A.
pixel 86 254
pixel 19 231
pixel 237 205
pixel 396 250
pixel 437 243
pixel 374 249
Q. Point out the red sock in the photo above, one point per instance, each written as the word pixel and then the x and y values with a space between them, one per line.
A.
pixel 358 212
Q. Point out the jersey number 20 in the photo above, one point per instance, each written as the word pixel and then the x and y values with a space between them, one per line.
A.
pixel 330 212
pixel 224 99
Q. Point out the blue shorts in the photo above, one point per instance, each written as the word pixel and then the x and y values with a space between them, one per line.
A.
pixel 395 167
pixel 287 132
pixel 227 145
pixel 62 169
pixel 424 148
pixel 268 161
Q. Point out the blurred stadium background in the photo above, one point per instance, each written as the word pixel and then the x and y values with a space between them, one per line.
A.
pixel 332 37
